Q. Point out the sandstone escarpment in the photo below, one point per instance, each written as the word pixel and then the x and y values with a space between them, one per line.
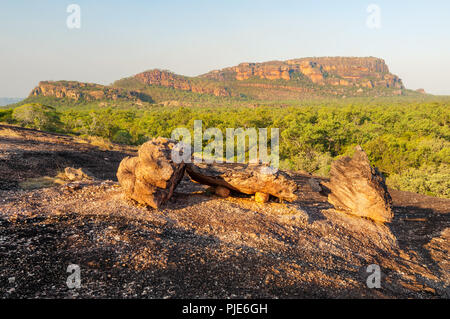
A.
pixel 337 71
pixel 85 91
pixel 169 79
pixel 291 79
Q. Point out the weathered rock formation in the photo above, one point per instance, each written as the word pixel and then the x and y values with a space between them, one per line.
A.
pixel 169 79
pixel 86 91
pixel 337 71
pixel 291 79
pixel 151 177
pixel 359 189
pixel 244 178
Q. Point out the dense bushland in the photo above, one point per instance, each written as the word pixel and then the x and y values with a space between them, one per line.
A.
pixel 408 142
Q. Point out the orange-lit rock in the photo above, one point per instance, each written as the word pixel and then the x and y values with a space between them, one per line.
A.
pixel 337 71
pixel 359 189
pixel 169 79
pixel 261 197
pixel 86 91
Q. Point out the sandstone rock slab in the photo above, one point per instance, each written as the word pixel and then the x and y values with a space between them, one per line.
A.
pixel 359 189
pixel 244 178
pixel 152 176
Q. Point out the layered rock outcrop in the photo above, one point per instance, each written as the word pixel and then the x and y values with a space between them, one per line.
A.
pixel 337 71
pixel 359 189
pixel 151 177
pixel 169 79
pixel 291 79
pixel 245 178
pixel 86 91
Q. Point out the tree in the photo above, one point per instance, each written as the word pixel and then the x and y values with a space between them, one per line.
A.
pixel 37 116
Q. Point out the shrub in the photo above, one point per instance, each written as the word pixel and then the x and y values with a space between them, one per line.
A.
pixel 408 141
pixel 122 137
pixel 433 181
pixel 6 116
pixel 37 116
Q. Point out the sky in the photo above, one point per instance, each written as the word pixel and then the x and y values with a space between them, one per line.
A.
pixel 119 38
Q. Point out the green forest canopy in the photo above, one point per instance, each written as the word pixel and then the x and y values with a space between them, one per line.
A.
pixel 408 142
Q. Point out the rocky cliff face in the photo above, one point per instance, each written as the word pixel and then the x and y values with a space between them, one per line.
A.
pixel 337 71
pixel 85 91
pixel 291 79
pixel 169 79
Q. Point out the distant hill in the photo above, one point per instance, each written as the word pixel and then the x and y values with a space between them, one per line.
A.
pixel 294 79
pixel 9 100
pixel 85 91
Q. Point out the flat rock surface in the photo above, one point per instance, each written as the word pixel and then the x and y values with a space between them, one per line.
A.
pixel 201 245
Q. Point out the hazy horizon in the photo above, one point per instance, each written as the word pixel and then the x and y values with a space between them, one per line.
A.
pixel 122 38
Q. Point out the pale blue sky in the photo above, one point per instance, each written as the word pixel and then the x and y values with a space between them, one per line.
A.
pixel 121 38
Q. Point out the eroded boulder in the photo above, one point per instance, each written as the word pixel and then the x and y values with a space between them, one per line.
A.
pixel 244 178
pixel 359 189
pixel 152 176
